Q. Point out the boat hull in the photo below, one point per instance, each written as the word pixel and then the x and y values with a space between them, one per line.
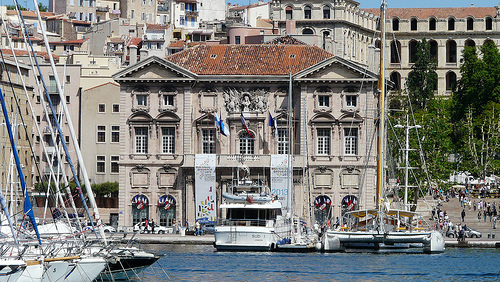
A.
pixel 243 238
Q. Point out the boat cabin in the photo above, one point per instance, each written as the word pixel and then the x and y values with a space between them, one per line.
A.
pixel 251 215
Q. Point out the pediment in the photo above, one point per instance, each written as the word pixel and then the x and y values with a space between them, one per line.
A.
pixel 153 69
pixel 336 69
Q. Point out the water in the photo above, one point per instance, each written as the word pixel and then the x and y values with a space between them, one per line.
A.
pixel 202 263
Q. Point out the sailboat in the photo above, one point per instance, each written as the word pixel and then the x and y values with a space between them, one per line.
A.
pixel 382 226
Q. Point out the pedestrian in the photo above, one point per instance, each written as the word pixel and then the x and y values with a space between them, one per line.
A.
pixel 484 215
pixel 463 215
pixel 146 226
pixel 152 226
pixel 474 203
pixel 198 228
pixel 433 213
pixel 479 216
pixel 494 222
pixel 187 224
pixel 337 223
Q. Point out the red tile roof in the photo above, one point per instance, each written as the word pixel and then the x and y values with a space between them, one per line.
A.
pixel 30 14
pixel 238 8
pixel 248 59
pixel 65 42
pixel 286 39
pixel 101 85
pixel 440 13
pixel 177 44
pixel 45 55
pixel 136 41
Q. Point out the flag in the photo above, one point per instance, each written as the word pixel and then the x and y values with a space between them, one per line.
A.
pixel 222 127
pixel 245 125
pixel 272 123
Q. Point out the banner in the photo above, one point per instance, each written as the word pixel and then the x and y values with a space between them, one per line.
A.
pixel 204 170
pixel 280 179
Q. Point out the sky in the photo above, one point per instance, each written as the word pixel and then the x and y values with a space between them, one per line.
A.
pixel 363 3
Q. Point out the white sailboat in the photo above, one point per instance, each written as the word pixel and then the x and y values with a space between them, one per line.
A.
pixel 382 226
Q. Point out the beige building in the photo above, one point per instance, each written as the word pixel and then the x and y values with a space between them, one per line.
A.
pixel 168 117
pixel 351 30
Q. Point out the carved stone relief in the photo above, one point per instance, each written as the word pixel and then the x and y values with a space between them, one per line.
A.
pixel 249 100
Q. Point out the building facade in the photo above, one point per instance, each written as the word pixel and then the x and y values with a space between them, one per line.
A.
pixel 168 114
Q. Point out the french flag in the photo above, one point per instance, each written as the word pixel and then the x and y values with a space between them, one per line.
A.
pixel 245 125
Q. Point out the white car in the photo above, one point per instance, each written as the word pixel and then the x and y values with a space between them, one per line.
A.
pixel 108 229
pixel 140 227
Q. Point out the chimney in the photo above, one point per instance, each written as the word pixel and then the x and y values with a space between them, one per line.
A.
pixel 472 5
pixel 133 54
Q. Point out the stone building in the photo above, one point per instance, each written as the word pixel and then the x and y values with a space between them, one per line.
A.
pixel 351 30
pixel 168 114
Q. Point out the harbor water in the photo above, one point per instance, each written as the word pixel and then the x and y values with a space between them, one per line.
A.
pixel 203 263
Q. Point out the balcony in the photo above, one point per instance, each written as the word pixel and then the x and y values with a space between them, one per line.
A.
pixel 234 160
pixel 102 9
pixel 191 13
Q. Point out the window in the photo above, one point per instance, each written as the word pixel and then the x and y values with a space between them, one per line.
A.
pixel 143 16
pixel 351 141
pixel 246 144
pixel 413 24
pixel 115 133
pixel 91 17
pixel 81 3
pixel 307 31
pixel 451 51
pixel 141 140
pixel 208 141
pixel 114 164
pixel 282 141
pixel 101 108
pixel 451 24
pixel 324 101
pixel 434 49
pixel 413 51
pixel 323 141
pixel 38 118
pixel 181 20
pixel 451 80
pixel 396 79
pixel 395 24
pixel 395 52
pixel 307 12
pixel 116 108
pixel 432 24
pixel 351 101
pixel 142 100
pixel 68 98
pixel 132 14
pixel 143 2
pixel 168 100
pixel 101 164
pixel 101 133
pixel 489 23
pixel 288 11
pixel 470 24
pixel 326 12
pixel 168 140
pixel 237 40
pixel 68 79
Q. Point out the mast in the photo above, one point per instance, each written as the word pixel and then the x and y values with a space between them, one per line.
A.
pixel 381 120
pixel 290 167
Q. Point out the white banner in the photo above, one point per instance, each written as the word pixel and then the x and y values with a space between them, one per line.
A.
pixel 280 178
pixel 204 170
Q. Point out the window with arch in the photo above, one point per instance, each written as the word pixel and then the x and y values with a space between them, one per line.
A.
pixel 413 51
pixel 326 34
pixel 451 24
pixel 434 49
pixel 451 51
pixel 322 209
pixel 489 23
pixel 395 52
pixel 167 210
pixel 289 13
pixel 395 24
pixel 326 12
pixel 470 43
pixel 470 24
pixel 413 24
pixel 396 79
pixel 451 79
pixel 432 24
pixel 307 12
pixel 307 31
pixel 141 140
pixel 247 144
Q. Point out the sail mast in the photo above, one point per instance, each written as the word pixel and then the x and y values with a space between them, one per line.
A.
pixel 381 125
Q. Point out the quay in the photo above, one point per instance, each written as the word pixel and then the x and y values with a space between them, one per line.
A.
pixel 209 240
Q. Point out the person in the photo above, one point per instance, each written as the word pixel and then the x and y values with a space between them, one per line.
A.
pixel 494 222
pixel 479 216
pixel 187 224
pixel 152 226
pixel 337 223
pixel 433 213
pixel 463 215
pixel 175 226
pixel 198 229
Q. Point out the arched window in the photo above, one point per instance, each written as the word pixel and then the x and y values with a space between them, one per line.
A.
pixel 432 24
pixel 140 209
pixel 434 49
pixel 326 12
pixel 167 206
pixel 326 34
pixel 395 24
pixel 322 207
pixel 470 43
pixel 451 51
pixel 396 79
pixel 289 11
pixel 489 23
pixel 307 31
pixel 395 52
pixel 307 12
pixel 413 24
pixel 470 24
pixel 413 51
pixel 451 79
pixel 451 24
pixel 377 44
pixel 246 144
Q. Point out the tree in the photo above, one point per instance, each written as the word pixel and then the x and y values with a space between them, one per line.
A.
pixel 422 79
pixel 13 7
pixel 42 7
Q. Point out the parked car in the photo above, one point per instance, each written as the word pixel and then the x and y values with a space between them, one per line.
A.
pixel 208 228
pixel 469 233
pixel 140 227
pixel 108 228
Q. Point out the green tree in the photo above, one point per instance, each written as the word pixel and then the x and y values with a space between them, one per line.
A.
pixel 42 7
pixel 13 7
pixel 422 79
pixel 106 189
